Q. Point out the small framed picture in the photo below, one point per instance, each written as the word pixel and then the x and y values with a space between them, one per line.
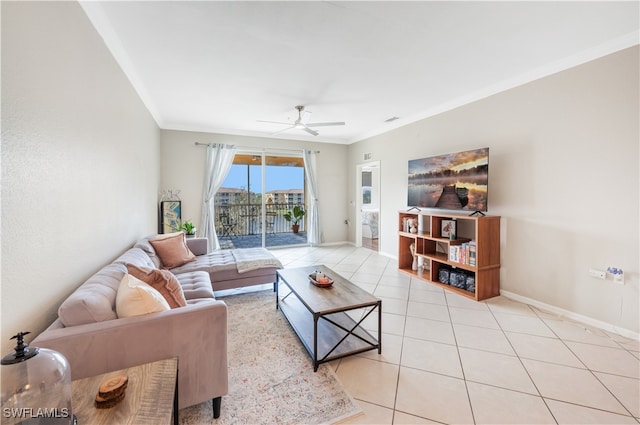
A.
pixel 448 229
pixel 170 216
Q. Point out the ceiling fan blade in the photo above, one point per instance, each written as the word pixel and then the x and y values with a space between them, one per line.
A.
pixel 308 130
pixel 283 130
pixel 324 124
pixel 275 122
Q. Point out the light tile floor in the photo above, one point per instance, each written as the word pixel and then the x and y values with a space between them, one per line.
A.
pixel 447 359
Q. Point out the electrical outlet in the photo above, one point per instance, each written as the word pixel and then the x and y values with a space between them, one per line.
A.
pixel 600 274
pixel 617 274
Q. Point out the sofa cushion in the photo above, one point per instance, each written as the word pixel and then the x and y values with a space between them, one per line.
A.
pixel 221 266
pixel 95 300
pixel 218 260
pixel 136 256
pixel 199 246
pixel 145 245
pixel 172 250
pixel 162 280
pixel 195 285
pixel 136 298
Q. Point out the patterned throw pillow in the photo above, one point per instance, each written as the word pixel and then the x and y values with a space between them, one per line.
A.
pixel 172 250
pixel 163 281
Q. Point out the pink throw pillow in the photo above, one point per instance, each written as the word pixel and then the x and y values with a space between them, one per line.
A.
pixel 173 250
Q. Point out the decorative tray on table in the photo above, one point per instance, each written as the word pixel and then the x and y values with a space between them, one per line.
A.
pixel 320 279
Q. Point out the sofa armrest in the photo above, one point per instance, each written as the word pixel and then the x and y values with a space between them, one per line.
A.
pixel 199 246
pixel 196 334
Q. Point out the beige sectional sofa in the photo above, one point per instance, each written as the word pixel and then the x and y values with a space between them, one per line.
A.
pixel 89 333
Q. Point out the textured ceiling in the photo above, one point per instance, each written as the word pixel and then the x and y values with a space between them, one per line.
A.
pixel 221 66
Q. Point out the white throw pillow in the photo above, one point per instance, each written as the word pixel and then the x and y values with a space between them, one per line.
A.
pixel 136 297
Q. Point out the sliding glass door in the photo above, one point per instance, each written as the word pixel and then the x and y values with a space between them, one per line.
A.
pixel 252 204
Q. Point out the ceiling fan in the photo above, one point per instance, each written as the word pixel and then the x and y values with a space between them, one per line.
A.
pixel 301 125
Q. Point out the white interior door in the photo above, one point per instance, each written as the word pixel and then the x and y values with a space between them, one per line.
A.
pixel 368 205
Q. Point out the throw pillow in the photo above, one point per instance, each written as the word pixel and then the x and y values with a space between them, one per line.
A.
pixel 163 280
pixel 173 250
pixel 135 298
pixel 167 235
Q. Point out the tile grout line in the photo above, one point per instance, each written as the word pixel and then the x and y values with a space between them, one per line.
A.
pixel 522 364
pixel 564 342
pixel 404 327
pixel 464 377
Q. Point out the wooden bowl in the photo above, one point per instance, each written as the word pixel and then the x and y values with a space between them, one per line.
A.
pixel 322 283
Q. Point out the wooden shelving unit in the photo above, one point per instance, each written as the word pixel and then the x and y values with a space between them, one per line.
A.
pixel 433 251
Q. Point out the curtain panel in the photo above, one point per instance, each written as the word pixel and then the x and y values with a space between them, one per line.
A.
pixel 219 161
pixel 310 169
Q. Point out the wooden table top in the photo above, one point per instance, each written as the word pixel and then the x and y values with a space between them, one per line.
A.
pixel 339 296
pixel 149 396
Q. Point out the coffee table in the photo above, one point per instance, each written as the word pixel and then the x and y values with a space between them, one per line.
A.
pixel 151 396
pixel 328 320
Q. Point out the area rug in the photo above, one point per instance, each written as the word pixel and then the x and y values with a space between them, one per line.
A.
pixel 271 377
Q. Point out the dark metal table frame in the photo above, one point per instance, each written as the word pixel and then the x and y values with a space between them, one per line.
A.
pixel 333 331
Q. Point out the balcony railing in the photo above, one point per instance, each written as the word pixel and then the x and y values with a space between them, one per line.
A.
pixel 243 219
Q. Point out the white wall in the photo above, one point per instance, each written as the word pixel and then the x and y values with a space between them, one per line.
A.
pixel 183 163
pixel 563 174
pixel 80 161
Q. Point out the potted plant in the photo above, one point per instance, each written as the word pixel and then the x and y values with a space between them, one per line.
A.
pixel 294 217
pixel 189 228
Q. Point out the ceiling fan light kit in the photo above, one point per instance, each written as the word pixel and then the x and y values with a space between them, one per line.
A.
pixel 298 124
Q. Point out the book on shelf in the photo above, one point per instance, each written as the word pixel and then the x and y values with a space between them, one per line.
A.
pixel 453 254
pixel 406 224
pixel 463 254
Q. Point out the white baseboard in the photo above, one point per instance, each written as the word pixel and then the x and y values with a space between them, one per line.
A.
pixel 571 315
pixel 337 243
pixel 386 254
